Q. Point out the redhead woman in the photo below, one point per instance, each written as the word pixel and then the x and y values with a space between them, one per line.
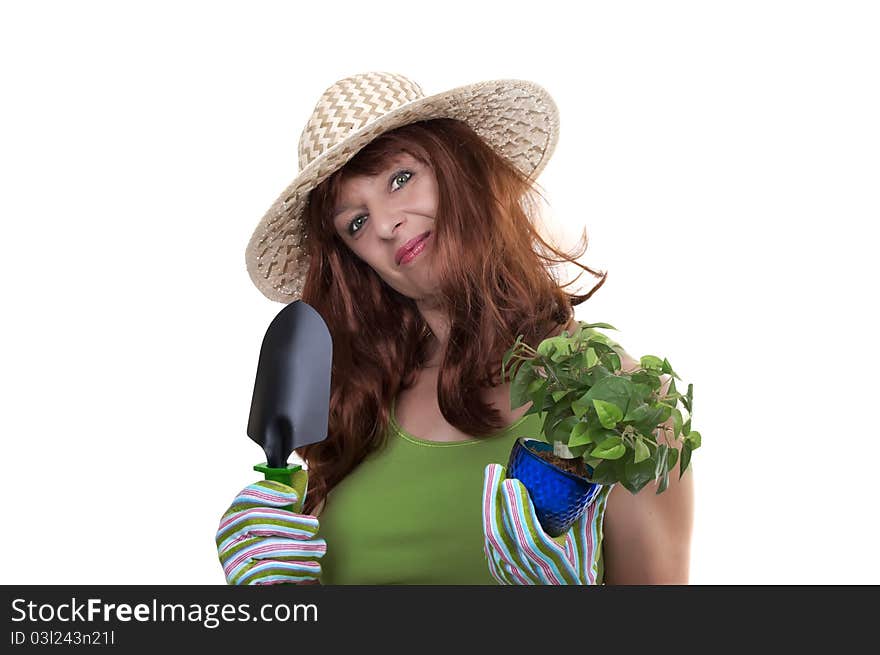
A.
pixel 411 230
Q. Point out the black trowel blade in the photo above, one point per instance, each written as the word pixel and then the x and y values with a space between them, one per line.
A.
pixel 291 402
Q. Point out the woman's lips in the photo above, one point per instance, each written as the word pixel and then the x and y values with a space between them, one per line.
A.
pixel 412 249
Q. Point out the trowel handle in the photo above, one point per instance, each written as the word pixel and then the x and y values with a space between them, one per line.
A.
pixel 282 475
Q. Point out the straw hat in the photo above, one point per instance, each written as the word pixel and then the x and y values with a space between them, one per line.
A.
pixel 517 118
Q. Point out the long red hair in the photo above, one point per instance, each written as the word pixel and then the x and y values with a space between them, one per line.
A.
pixel 380 338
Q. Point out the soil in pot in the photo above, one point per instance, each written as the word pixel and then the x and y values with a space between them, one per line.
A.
pixel 576 466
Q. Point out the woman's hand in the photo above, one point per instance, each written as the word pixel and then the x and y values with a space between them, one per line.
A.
pixel 260 543
pixel 518 550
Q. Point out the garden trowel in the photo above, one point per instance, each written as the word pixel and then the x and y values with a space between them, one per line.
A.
pixel 291 402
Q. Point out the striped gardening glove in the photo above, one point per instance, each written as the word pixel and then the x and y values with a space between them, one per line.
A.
pixel 260 543
pixel 518 550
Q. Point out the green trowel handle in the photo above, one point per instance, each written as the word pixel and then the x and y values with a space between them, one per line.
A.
pixel 282 475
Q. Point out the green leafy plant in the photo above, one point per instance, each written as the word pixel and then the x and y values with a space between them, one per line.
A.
pixel 594 410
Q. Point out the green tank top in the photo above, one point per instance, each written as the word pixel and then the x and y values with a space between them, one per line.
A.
pixel 411 512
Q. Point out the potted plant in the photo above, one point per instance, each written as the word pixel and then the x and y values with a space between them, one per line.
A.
pixel 601 424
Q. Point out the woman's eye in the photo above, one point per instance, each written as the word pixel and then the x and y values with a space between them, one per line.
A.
pixel 351 231
pixel 400 179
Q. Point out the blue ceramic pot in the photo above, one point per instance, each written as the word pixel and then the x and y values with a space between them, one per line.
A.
pixel 559 497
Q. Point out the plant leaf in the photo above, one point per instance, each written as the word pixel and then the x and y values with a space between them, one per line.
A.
pixel 687 399
pixel 604 326
pixel 662 451
pixel 591 358
pixel 685 459
pixel 610 388
pixel 612 448
pixel 676 422
pixel 539 400
pixel 664 482
pixel 609 413
pixel 508 356
pixel 651 363
pixel 580 435
pixel 562 430
pixel 604 473
pixel 671 458
pixel 642 452
pixel 614 361
pixel 519 388
pixel 580 408
pixel 555 348
pixel 667 368
pixel 637 413
pixel 639 474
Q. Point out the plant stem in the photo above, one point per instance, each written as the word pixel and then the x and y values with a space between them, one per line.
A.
pixel 550 368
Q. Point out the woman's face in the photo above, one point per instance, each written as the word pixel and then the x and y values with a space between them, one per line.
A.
pixel 376 216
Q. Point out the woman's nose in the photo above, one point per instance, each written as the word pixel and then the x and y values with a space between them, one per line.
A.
pixel 386 220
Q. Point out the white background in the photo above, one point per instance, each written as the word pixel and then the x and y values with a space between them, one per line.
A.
pixel 723 157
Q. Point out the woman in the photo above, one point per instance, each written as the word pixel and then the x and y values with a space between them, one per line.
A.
pixel 410 230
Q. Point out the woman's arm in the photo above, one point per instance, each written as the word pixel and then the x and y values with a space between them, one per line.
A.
pixel 647 537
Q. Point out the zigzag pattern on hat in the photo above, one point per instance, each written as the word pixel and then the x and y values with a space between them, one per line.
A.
pixel 350 105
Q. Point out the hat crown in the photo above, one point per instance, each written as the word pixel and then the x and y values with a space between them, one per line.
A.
pixel 348 106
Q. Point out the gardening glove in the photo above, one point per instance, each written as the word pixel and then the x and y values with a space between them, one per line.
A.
pixel 260 543
pixel 518 550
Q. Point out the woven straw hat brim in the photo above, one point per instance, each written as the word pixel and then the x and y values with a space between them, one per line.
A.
pixel 518 118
